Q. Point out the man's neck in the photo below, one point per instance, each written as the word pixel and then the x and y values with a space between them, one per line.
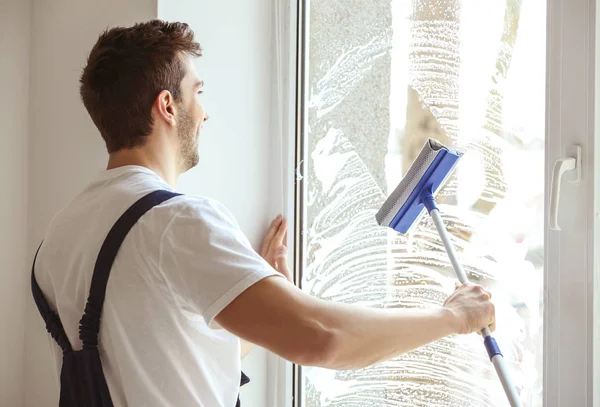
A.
pixel 161 165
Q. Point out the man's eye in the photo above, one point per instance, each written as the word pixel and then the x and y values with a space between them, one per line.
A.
pixel 200 92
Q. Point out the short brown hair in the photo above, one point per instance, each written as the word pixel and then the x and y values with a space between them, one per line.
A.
pixel 126 70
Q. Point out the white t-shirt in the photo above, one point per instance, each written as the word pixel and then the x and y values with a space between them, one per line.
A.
pixel 179 266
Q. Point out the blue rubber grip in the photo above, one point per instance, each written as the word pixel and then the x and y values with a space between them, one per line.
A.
pixel 492 347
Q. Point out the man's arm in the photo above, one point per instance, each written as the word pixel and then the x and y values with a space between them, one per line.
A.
pixel 303 329
pixel 283 319
pixel 274 251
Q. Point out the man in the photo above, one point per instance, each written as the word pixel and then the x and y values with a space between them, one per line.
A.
pixel 186 286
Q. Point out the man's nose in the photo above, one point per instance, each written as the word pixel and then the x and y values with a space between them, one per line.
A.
pixel 206 116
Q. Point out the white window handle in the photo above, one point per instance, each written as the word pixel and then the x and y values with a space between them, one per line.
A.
pixel 560 167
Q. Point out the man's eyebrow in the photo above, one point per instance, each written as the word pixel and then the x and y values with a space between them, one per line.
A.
pixel 199 84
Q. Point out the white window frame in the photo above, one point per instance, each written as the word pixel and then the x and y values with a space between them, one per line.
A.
pixel 570 273
pixel 281 373
pixel 572 266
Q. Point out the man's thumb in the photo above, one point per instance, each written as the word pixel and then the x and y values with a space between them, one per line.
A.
pixel 281 255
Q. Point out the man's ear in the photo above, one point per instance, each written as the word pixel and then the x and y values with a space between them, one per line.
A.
pixel 165 107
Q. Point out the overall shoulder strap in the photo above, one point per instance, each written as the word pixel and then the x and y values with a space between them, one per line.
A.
pixel 89 326
pixel 53 324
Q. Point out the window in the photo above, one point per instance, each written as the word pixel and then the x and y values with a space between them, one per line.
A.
pixel 377 79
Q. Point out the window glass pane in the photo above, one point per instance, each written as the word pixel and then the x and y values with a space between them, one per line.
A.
pixel 382 78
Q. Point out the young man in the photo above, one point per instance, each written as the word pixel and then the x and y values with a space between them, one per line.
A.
pixel 186 285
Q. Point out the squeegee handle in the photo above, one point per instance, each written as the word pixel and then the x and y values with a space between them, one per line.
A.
pixel 489 341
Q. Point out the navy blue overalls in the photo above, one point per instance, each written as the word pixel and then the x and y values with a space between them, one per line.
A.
pixel 82 381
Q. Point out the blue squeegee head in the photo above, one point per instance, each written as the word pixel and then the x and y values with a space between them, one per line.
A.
pixel 404 207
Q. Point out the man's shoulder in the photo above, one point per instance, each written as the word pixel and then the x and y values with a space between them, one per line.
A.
pixel 193 209
pixel 190 204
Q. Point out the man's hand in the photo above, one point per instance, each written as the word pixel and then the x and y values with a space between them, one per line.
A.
pixel 274 250
pixel 472 309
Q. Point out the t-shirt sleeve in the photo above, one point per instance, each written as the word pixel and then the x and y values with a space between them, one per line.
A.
pixel 207 260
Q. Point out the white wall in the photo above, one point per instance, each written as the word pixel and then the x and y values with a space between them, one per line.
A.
pixel 65 147
pixel 596 288
pixel 235 148
pixel 15 16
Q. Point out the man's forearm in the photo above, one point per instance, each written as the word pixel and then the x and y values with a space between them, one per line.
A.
pixel 361 336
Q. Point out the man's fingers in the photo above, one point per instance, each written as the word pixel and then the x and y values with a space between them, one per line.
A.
pixel 270 233
pixel 280 252
pixel 279 238
pixel 280 235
